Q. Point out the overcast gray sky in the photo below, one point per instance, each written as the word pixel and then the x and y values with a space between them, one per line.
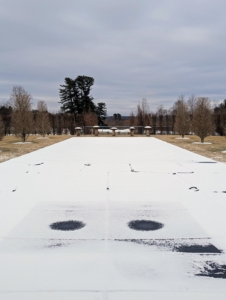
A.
pixel 134 49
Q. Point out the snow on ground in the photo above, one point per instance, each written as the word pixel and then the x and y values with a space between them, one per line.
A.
pixel 115 190
pixel 119 131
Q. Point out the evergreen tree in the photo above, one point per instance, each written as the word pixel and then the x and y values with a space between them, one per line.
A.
pixel 1 129
pixel 117 117
pixel 75 95
pixel 101 112
pixel 6 114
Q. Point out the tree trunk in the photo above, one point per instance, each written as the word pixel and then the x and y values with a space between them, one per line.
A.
pixel 23 137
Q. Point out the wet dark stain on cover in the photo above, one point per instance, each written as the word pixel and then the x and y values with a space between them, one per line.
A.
pixel 145 225
pixel 214 270
pixel 172 245
pixel 197 249
pixel 67 225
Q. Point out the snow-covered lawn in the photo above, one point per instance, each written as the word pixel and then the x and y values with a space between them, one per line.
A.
pixel 146 219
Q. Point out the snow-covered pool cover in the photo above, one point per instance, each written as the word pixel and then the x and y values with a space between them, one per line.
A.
pixel 112 218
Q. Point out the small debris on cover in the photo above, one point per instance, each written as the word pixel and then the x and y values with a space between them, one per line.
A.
pixel 39 164
pixel 88 165
pixel 132 170
pixel 55 245
pixel 145 225
pixel 194 188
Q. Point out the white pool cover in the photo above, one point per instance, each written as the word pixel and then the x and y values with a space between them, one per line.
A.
pixel 112 218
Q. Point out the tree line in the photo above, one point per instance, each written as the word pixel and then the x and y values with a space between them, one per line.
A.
pixel 17 116
pixel 78 109
pixel 196 115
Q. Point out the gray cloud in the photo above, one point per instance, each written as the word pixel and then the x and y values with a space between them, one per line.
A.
pixel 134 49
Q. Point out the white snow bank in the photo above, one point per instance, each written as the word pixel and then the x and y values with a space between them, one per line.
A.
pixel 119 131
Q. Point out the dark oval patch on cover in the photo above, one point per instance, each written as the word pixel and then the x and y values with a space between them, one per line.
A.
pixel 197 249
pixel 144 225
pixel 214 270
pixel 67 225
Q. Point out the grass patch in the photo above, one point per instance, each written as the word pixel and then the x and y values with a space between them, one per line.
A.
pixel 8 148
pixel 213 151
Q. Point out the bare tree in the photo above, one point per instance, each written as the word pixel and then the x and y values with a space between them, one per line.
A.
pixel 202 123
pixel 153 122
pixel 182 121
pixel 90 118
pixel 59 121
pixel 22 116
pixel 42 119
pixel 2 127
pixel 172 117
pixel 71 124
pixel 143 114
pixel 132 119
pixel 160 113
pixel 191 104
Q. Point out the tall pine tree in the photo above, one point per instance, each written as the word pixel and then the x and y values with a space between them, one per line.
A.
pixel 75 95
pixel 101 112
